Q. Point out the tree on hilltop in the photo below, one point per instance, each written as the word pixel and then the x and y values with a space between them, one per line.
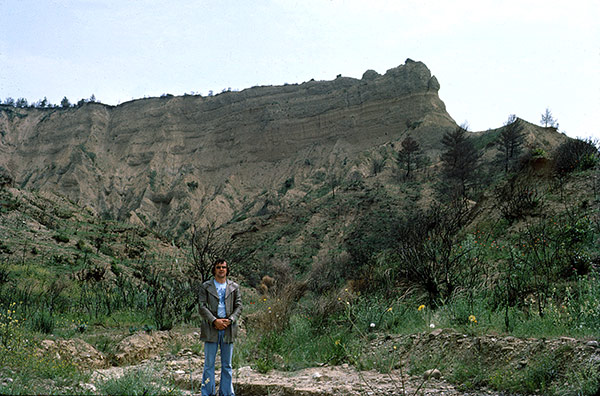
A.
pixel 547 119
pixel 21 102
pixel 65 102
pixel 41 103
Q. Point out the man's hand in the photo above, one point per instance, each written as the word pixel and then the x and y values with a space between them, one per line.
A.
pixel 221 324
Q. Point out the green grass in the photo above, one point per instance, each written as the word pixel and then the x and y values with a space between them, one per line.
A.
pixel 139 382
pixel 33 372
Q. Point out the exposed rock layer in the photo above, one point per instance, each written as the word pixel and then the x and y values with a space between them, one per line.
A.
pixel 162 158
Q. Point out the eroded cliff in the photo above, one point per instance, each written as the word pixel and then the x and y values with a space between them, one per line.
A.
pixel 170 160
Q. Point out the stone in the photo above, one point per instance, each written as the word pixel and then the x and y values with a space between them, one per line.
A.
pixel 140 346
pixel 568 339
pixel 370 75
pixel 244 371
pixel 88 387
pixel 523 362
pixel 436 332
pixel 432 373
pixel 433 84
pixel 78 351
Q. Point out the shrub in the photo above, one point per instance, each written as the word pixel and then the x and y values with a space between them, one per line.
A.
pixel 429 250
pixel 5 248
pixel 10 329
pixel 279 299
pixel 62 238
pixel 517 199
pixel 193 185
pixel 82 246
pixel 576 154
pixel 6 179
pixel 539 261
pixel 137 382
pixel 43 322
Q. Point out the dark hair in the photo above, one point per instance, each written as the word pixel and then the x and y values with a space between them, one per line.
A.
pixel 219 261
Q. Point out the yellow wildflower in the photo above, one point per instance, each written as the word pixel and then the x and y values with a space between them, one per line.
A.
pixel 421 307
pixel 472 319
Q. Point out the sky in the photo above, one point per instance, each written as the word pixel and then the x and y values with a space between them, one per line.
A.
pixel 492 58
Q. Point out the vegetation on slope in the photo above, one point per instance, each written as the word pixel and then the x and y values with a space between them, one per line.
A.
pixel 350 263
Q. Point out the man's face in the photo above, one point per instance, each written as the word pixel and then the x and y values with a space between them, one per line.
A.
pixel 221 270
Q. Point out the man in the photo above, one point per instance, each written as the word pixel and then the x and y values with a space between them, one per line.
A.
pixel 220 307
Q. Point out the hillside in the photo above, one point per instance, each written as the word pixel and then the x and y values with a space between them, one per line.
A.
pixel 371 235
pixel 171 161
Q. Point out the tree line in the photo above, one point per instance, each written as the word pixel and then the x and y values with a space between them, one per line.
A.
pixel 44 103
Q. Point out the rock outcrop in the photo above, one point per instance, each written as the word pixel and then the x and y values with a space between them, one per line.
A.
pixel 167 160
pixel 75 350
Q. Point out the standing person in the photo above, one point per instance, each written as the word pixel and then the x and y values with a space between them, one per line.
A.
pixel 220 307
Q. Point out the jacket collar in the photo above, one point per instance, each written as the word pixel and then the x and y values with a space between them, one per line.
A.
pixel 213 290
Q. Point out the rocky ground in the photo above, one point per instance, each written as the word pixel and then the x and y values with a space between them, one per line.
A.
pixel 184 365
pixel 186 370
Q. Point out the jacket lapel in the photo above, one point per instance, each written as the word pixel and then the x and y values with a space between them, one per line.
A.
pixel 230 288
pixel 212 289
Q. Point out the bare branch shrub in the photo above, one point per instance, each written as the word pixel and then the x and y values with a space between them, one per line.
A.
pixel 517 199
pixel 206 245
pixel 429 252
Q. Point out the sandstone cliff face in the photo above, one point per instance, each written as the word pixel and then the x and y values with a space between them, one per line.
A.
pixel 177 159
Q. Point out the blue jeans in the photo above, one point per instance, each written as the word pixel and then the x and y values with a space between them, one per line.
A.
pixel 208 377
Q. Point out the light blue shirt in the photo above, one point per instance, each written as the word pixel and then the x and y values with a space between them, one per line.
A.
pixel 221 288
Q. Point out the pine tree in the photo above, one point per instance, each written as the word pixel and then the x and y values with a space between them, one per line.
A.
pixel 510 141
pixel 459 160
pixel 408 154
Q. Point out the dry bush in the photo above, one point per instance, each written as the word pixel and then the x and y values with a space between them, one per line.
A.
pixel 281 292
pixel 266 285
pixel 517 199
pixel 330 304
pixel 329 273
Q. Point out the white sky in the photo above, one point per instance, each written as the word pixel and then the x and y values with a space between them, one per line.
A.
pixel 491 57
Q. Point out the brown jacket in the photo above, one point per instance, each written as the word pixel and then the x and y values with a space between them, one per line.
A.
pixel 208 300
